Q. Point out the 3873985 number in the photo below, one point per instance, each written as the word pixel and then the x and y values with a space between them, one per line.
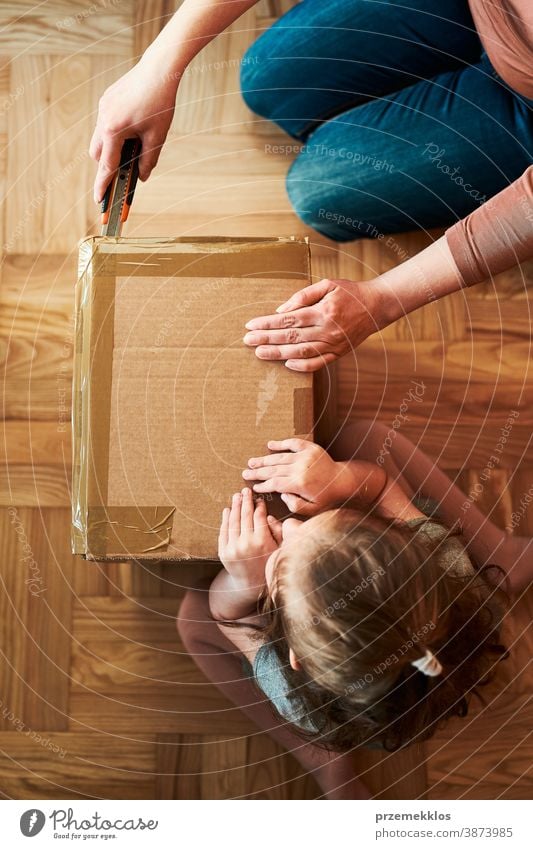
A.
pixel 487 831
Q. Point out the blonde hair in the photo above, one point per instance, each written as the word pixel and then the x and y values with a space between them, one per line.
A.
pixel 358 601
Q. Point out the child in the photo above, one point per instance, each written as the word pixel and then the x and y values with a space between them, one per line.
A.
pixel 368 624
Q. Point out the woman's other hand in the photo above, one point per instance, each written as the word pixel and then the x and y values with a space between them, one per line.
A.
pixel 317 325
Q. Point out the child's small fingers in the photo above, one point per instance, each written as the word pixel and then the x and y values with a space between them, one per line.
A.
pixel 260 514
pixel 247 510
pixel 275 528
pixel 223 533
pixel 234 523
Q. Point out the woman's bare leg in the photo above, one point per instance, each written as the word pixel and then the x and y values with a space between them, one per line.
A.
pixel 221 663
pixel 415 472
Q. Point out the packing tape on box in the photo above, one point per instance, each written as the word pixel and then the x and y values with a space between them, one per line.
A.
pixel 196 257
pixel 126 529
pixel 121 530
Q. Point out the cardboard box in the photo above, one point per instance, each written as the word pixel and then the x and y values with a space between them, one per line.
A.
pixel 168 403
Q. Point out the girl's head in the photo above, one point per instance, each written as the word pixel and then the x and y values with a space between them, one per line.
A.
pixel 354 600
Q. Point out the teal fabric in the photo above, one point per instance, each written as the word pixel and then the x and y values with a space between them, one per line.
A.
pixel 269 677
pixel 400 119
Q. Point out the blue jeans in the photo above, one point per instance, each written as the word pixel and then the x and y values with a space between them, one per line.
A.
pixel 402 122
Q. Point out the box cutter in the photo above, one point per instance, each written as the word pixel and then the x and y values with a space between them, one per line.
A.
pixel 119 194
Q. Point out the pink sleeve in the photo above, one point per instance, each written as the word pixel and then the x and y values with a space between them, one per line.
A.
pixel 496 236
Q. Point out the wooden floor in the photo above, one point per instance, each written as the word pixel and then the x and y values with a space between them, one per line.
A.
pixel 97 698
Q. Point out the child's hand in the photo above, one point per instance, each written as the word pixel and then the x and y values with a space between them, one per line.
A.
pixel 247 538
pixel 307 478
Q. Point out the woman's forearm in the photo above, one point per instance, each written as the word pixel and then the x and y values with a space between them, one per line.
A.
pixel 418 281
pixel 195 24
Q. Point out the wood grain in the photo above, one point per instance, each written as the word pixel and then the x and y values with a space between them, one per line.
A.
pixel 49 174
pixel 27 442
pixel 127 660
pixel 36 600
pixel 71 766
pixel 69 28
pixel 209 184
pixel 207 767
pixel 35 486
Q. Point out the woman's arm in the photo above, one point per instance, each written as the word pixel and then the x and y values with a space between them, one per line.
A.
pixel 330 318
pixel 497 235
pixel 195 24
pixel 141 103
pixel 426 277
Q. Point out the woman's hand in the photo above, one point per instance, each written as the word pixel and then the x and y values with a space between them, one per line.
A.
pixel 139 105
pixel 247 538
pixel 317 325
pixel 304 474
pixel 324 321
